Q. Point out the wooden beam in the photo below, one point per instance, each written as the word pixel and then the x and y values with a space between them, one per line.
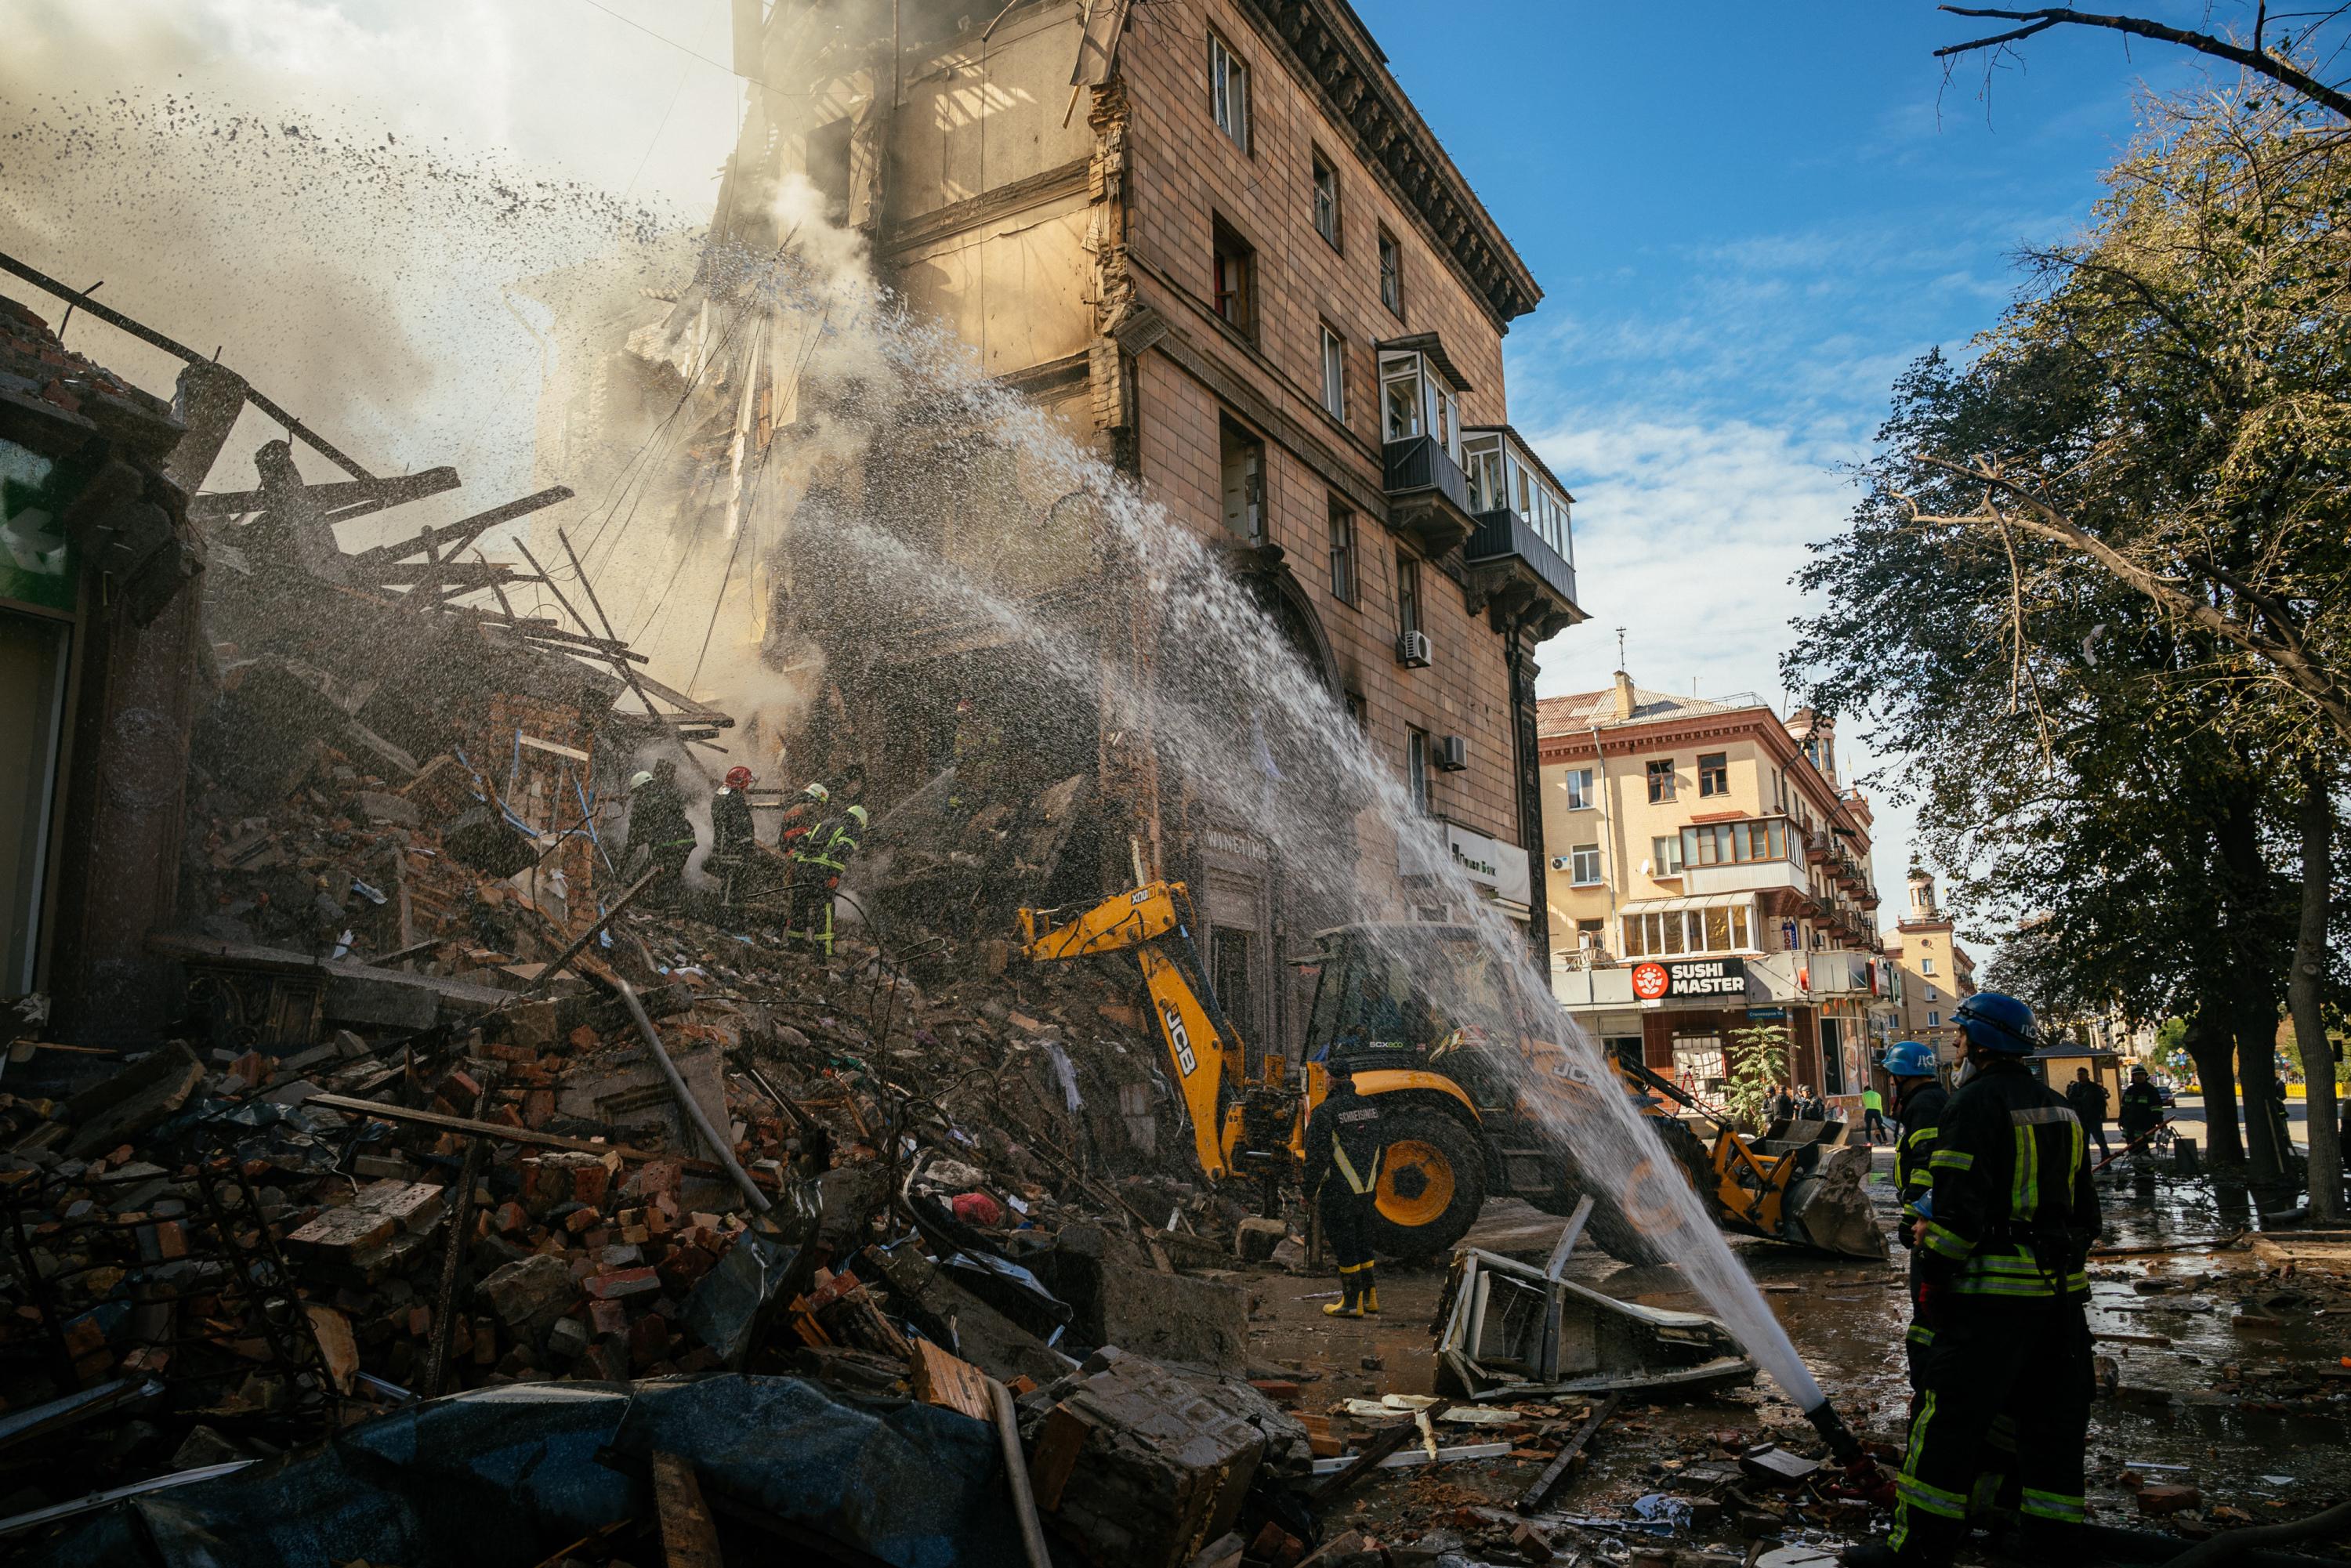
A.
pixel 1336 1485
pixel 1555 1472
pixel 689 1539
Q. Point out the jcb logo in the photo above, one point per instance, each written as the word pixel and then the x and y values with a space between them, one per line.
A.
pixel 1179 1038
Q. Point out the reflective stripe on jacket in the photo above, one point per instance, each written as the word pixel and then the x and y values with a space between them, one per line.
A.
pixel 2015 1210
pixel 1913 1180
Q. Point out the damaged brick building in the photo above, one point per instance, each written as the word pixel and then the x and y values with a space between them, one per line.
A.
pixel 1219 248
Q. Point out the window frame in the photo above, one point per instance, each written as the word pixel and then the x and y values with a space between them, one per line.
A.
pixel 1407 595
pixel 1667 862
pixel 1669 779
pixel 1391 260
pixel 1324 180
pixel 1346 574
pixel 1579 796
pixel 1417 768
pixel 1229 110
pixel 1713 773
pixel 1228 247
pixel 1576 865
pixel 1334 373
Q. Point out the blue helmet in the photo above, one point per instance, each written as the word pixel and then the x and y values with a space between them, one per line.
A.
pixel 1908 1059
pixel 1992 1022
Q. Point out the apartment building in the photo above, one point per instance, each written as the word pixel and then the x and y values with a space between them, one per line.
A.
pixel 1709 873
pixel 1215 241
pixel 1937 973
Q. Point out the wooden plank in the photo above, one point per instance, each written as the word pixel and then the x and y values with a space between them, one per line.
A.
pixel 1556 1471
pixel 689 1539
pixel 951 1383
pixel 1059 1444
pixel 1379 1448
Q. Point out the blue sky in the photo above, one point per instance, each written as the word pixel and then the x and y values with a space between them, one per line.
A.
pixel 1745 220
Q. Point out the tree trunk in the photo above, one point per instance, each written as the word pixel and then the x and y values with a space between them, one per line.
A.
pixel 2251 1009
pixel 2303 988
pixel 2256 1020
pixel 2211 1045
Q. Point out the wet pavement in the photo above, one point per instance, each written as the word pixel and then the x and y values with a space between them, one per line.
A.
pixel 2226 1375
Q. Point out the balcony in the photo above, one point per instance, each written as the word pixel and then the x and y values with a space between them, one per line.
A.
pixel 1429 496
pixel 1816 847
pixel 1514 573
pixel 1747 876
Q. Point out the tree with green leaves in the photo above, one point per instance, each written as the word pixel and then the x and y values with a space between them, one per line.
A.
pixel 1758 1066
pixel 2100 573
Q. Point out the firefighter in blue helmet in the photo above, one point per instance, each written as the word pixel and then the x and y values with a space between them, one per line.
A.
pixel 2000 1246
pixel 1344 1143
pixel 1918 1101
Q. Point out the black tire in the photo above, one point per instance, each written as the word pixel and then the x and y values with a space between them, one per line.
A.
pixel 1433 1167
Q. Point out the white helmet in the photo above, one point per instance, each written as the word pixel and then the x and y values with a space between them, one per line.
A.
pixel 817 793
pixel 640 780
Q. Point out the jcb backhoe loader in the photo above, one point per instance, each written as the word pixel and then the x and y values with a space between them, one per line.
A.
pixel 1479 1098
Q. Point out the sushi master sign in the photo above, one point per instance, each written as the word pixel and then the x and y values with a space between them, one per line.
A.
pixel 1691 978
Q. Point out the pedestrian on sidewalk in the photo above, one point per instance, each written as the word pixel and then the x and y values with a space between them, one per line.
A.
pixel 1344 1143
pixel 1873 1114
pixel 2088 1098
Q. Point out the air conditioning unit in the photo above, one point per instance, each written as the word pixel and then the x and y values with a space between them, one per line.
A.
pixel 1412 650
pixel 1452 752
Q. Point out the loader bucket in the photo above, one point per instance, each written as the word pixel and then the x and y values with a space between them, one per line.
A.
pixel 1828 1207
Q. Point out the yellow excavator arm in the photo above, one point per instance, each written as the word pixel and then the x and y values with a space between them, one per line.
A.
pixel 1198 1038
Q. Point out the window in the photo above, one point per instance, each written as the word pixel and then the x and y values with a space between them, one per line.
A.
pixel 1661 781
pixel 1416 767
pixel 1926 965
pixel 1931 996
pixel 1417 399
pixel 828 168
pixel 1359 713
pixel 1342 553
pixel 1407 594
pixel 1326 201
pixel 1737 844
pixel 1234 278
pixel 1589 932
pixel 1241 471
pixel 1665 855
pixel 1578 782
pixel 1714 773
pixel 1584 865
pixel 1686 931
pixel 1228 84
pixel 1934 1021
pixel 1334 375
pixel 1391 273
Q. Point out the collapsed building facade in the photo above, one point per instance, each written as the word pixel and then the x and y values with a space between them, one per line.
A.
pixel 1235 267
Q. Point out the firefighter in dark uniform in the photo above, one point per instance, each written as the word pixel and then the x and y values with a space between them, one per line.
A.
pixel 1918 1101
pixel 2141 1110
pixel 2007 1228
pixel 818 861
pixel 1344 1141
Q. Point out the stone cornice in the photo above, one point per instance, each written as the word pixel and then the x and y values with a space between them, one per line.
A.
pixel 1327 48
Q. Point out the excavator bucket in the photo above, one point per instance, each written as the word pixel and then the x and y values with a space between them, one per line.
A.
pixel 1827 1206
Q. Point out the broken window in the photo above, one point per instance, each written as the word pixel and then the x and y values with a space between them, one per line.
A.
pixel 1661 781
pixel 1228 86
pixel 1234 281
pixel 1416 768
pixel 1359 713
pixel 828 168
pixel 1241 467
pixel 1334 374
pixel 1714 773
pixel 32 719
pixel 1390 272
pixel 1342 552
pixel 1326 201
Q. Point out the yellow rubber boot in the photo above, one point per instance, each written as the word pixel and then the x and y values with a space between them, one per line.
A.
pixel 1371 1292
pixel 1350 1303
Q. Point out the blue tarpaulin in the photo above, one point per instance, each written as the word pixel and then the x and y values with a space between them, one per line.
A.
pixel 512 1474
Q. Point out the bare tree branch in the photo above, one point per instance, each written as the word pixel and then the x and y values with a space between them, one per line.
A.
pixel 2041 17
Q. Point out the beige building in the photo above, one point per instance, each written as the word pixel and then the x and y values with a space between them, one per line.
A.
pixel 1708 873
pixel 1216 241
pixel 1937 973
